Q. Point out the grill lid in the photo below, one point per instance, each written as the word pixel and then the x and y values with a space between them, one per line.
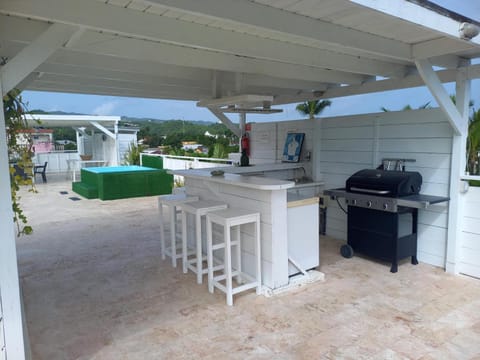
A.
pixel 385 183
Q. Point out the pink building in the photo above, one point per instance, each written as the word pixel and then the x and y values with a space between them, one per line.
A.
pixel 42 139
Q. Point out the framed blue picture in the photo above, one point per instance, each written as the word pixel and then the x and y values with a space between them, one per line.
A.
pixel 293 147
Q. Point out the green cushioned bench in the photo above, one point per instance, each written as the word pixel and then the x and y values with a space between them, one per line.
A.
pixel 120 182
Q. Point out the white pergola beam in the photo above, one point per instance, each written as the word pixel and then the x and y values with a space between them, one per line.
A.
pixel 148 67
pixel 268 17
pixel 124 84
pixel 237 99
pixel 92 74
pixel 84 74
pixel 225 120
pixel 417 14
pixel 439 47
pixel 134 49
pixel 74 62
pixel 25 62
pixel 410 81
pixel 440 94
pixel 96 15
pixel 40 85
pixel 103 129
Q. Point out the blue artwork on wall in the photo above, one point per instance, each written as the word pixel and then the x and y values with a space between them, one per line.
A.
pixel 293 147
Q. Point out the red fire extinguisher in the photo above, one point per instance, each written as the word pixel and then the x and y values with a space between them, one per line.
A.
pixel 245 142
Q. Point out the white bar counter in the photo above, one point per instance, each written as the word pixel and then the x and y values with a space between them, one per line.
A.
pixel 261 168
pixel 257 194
pixel 251 182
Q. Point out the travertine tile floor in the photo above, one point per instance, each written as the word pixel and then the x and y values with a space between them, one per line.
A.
pixel 95 288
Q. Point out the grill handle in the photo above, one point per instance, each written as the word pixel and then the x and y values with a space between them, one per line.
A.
pixel 370 191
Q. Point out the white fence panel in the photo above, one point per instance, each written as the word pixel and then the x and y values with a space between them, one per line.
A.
pixel 2 337
pixel 469 256
pixel 57 161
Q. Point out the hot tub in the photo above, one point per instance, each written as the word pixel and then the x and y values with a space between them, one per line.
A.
pixel 120 182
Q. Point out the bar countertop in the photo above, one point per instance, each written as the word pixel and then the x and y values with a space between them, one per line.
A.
pixel 252 182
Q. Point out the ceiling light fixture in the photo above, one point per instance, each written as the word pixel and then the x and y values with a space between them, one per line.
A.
pixel 468 31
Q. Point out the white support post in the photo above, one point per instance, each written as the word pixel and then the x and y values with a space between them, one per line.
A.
pixel 28 59
pixel 9 282
pixel 103 129
pixel 457 169
pixel 224 119
pixel 117 147
pixel 92 144
pixel 432 81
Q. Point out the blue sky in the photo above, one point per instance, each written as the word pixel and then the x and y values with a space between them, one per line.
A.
pixel 187 110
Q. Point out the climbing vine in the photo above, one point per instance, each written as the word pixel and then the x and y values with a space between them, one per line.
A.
pixel 19 143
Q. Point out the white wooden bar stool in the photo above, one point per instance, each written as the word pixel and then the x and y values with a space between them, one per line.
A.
pixel 228 219
pixel 198 209
pixel 174 203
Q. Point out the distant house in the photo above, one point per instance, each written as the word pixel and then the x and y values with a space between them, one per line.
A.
pixel 100 137
pixel 210 135
pixel 190 145
pixel 42 139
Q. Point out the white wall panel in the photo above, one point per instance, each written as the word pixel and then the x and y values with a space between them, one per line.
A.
pixel 470 235
pixel 417 145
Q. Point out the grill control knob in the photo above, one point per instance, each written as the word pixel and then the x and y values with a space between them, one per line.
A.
pixel 369 204
pixel 385 206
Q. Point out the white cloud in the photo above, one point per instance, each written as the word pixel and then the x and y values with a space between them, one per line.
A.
pixel 106 108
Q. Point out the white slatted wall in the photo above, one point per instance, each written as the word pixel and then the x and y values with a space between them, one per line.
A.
pixel 349 144
pixel 3 354
pixel 469 257
pixel 268 139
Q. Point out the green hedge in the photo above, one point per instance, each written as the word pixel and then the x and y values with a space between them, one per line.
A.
pixel 474 182
pixel 155 162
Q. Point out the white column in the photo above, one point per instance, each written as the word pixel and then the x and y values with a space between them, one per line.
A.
pixel 458 118
pixel 117 146
pixel 243 120
pixel 9 282
pixel 454 235
pixel 93 144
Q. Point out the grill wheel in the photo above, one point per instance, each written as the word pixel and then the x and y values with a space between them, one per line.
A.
pixel 346 251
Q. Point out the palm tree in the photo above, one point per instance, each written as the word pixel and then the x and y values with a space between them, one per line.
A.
pixel 473 142
pixel 473 138
pixel 312 108
pixel 408 107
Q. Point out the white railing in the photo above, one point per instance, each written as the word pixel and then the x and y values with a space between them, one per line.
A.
pixel 57 160
pixel 470 177
pixel 174 162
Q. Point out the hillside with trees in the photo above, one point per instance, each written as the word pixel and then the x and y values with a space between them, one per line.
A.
pixel 168 133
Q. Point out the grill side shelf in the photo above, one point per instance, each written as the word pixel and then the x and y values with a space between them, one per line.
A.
pixel 334 193
pixel 420 201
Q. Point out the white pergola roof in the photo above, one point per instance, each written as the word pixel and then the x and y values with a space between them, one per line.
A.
pixel 75 121
pixel 292 50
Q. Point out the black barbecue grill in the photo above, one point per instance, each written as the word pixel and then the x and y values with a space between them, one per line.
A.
pixel 376 200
